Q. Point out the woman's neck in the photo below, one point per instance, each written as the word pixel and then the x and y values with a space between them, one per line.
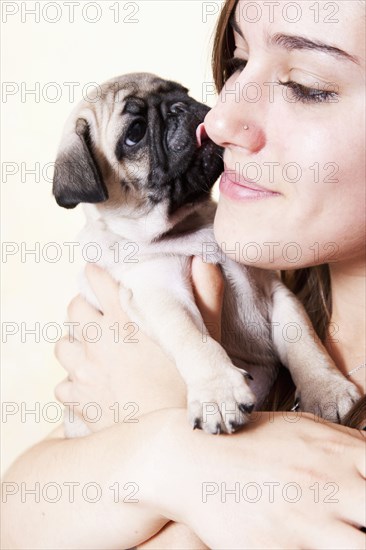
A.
pixel 346 340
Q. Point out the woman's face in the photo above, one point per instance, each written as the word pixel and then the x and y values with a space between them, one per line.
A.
pixel 306 154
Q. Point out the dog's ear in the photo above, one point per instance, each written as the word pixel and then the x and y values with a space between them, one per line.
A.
pixel 77 177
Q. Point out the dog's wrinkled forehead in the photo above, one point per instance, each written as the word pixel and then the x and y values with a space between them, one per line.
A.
pixel 132 87
pixel 142 85
pixel 129 94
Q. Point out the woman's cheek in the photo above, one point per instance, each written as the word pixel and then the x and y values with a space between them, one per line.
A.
pixel 294 232
pixel 318 182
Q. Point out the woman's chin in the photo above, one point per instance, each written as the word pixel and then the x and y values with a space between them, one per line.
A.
pixel 243 244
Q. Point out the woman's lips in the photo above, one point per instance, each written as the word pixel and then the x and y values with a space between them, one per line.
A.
pixel 235 186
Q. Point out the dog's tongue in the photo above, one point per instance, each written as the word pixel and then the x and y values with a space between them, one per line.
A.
pixel 201 134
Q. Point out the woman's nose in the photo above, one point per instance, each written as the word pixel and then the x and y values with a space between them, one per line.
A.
pixel 230 123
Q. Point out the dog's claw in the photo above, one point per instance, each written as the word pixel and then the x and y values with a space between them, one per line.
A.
pixel 218 429
pixel 246 408
pixel 245 373
pixel 296 404
pixel 197 424
pixel 233 425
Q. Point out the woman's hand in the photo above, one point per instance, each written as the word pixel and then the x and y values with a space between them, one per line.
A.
pixel 123 371
pixel 127 378
pixel 286 481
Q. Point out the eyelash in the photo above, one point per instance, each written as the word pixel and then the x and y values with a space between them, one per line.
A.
pixel 300 92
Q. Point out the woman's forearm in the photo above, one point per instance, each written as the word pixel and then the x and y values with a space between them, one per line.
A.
pixel 205 482
pixel 84 493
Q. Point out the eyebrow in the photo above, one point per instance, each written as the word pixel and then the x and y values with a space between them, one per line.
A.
pixel 292 42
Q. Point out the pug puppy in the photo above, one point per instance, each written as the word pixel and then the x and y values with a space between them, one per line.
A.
pixel 136 153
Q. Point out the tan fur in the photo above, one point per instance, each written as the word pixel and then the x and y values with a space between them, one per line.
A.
pixel 160 298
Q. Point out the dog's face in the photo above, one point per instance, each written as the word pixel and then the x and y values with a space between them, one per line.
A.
pixel 134 143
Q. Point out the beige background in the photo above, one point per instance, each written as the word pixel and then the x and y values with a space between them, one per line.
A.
pixel 171 39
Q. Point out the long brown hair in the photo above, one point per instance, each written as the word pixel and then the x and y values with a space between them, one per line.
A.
pixel 312 284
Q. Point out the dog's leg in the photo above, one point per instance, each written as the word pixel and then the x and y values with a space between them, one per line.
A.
pixel 219 398
pixel 320 387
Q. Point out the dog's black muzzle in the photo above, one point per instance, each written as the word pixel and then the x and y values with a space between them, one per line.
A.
pixel 181 170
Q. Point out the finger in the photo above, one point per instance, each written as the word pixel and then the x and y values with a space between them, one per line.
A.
pixel 106 289
pixel 64 391
pixel 351 500
pixel 69 354
pixel 355 446
pixel 359 460
pixel 337 535
pixel 208 288
pixel 81 312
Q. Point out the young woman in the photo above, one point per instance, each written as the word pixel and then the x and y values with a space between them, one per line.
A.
pixel 156 480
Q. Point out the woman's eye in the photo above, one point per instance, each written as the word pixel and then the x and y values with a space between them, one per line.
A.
pixel 136 132
pixel 309 95
pixel 298 91
pixel 235 64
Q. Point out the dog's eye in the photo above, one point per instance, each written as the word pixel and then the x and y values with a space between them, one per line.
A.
pixel 136 132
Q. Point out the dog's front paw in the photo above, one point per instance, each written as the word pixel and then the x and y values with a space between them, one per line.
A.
pixel 331 398
pixel 221 404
